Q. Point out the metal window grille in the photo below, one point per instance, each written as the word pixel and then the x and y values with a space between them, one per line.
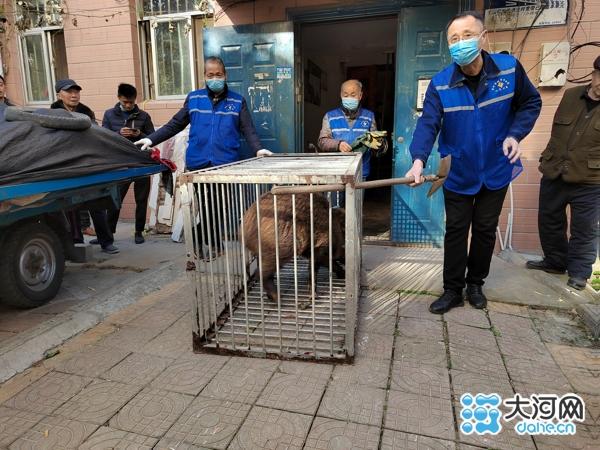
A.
pixel 162 7
pixel 310 317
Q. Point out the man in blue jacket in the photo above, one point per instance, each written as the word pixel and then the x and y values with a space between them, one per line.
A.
pixel 218 117
pixel 127 119
pixel 481 106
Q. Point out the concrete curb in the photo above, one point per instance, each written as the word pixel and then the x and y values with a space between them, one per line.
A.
pixel 591 317
pixel 27 348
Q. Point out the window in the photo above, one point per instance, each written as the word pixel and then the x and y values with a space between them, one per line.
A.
pixel 171 43
pixel 43 49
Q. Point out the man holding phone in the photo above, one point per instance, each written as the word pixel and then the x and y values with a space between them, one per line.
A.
pixel 127 119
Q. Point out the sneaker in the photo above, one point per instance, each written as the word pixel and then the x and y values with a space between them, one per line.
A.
pixel 94 242
pixel 577 283
pixel 543 265
pixel 139 238
pixel 110 249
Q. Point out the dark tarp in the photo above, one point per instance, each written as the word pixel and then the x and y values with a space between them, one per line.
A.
pixel 30 152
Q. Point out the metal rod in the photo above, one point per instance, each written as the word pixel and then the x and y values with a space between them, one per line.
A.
pixel 209 236
pixel 330 270
pixel 276 226
pixel 196 231
pixel 245 275
pixel 226 214
pixel 312 267
pixel 260 274
pixel 295 271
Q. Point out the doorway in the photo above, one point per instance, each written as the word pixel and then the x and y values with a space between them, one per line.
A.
pixel 363 49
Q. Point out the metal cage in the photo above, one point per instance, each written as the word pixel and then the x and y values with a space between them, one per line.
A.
pixel 239 307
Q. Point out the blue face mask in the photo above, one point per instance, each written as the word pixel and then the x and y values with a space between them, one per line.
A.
pixel 216 84
pixel 464 52
pixel 350 103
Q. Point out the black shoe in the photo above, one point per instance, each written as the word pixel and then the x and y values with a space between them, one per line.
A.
pixel 94 242
pixel 446 302
pixel 543 265
pixel 139 238
pixel 577 283
pixel 110 249
pixel 475 296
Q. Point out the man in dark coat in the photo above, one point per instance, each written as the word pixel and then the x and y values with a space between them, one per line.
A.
pixel 127 119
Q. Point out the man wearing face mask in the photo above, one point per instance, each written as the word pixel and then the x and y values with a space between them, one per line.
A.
pixel 127 119
pixel 218 117
pixel 570 166
pixel 481 106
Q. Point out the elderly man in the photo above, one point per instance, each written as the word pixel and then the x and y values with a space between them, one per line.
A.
pixel 481 106
pixel 344 124
pixel 570 166
pixel 69 94
pixel 218 117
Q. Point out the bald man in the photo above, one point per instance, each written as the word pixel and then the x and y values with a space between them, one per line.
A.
pixel 344 124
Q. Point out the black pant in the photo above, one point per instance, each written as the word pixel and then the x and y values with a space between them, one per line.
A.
pixel 141 190
pixel 103 233
pixel 578 253
pixel 480 212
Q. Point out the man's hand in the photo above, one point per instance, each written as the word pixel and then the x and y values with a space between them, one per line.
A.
pixel 345 147
pixel 145 143
pixel 129 132
pixel 416 171
pixel 511 149
pixel 264 152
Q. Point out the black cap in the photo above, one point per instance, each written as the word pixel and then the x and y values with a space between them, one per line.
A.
pixel 65 85
pixel 597 63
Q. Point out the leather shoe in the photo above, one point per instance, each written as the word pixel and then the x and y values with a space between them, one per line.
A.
pixel 139 238
pixel 577 283
pixel 449 299
pixel 475 296
pixel 543 265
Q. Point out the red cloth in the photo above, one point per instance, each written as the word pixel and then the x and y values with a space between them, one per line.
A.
pixel 155 155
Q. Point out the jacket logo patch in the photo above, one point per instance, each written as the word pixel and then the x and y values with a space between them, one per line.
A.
pixel 229 108
pixel 500 84
pixel 365 123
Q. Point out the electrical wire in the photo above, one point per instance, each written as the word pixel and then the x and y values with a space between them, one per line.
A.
pixel 521 46
pixel 579 20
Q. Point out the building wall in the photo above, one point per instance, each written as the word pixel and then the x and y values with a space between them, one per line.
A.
pixel 103 50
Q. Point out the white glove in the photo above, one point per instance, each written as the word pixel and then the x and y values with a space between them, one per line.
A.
pixel 416 171
pixel 264 152
pixel 511 149
pixel 145 143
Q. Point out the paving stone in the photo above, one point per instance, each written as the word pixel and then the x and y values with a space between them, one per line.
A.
pixel 561 327
pixel 474 383
pixel 108 438
pixel 241 379
pixel 173 342
pixel 297 388
pixel 541 373
pixel 529 347
pixel 189 375
pixel 471 336
pixel 419 414
pixel 467 316
pixel 592 408
pixel 138 369
pixel 54 433
pixel 208 422
pixel 509 325
pixel 130 338
pixel 420 329
pixel 429 353
pixel 417 306
pixel 567 356
pixel 45 395
pixel 352 403
pixel 374 346
pixel 421 379
pixel 396 440
pixel 272 429
pixel 374 373
pixel 157 319
pixel 376 323
pixel 169 444
pixel 507 439
pixel 507 308
pixel 93 361
pixel 332 434
pixel 585 438
pixel 98 402
pixel 380 301
pixel 14 423
pixel 583 379
pixel 482 361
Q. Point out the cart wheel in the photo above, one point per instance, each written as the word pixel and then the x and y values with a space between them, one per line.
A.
pixel 32 264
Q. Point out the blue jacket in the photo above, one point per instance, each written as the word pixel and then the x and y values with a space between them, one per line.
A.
pixel 216 124
pixel 115 118
pixel 472 128
pixel 341 130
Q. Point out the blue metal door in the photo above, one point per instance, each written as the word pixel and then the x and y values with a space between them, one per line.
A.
pixel 422 51
pixel 260 65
